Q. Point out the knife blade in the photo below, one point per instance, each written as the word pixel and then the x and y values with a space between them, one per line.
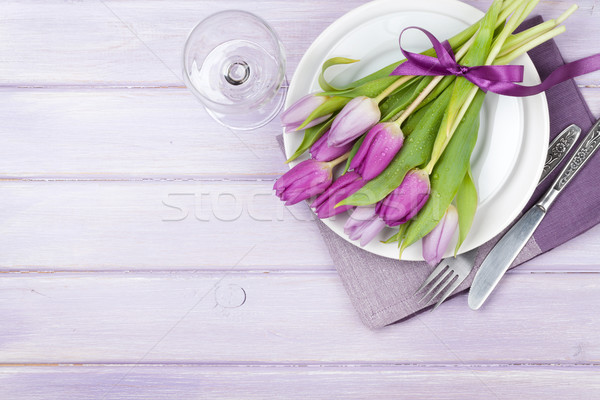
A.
pixel 508 248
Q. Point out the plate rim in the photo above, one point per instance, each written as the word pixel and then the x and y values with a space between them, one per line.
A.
pixel 407 5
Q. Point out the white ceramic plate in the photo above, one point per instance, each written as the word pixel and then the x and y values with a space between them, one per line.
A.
pixel 513 137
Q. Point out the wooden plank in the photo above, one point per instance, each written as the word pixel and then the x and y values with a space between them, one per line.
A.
pixel 580 254
pixel 113 43
pixel 130 43
pixel 297 318
pixel 389 382
pixel 140 225
pixel 126 134
pixel 133 134
pixel 87 226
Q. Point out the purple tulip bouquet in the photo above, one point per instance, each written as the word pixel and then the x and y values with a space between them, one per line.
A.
pixel 402 140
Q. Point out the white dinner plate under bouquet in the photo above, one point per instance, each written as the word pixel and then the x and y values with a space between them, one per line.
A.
pixel 513 137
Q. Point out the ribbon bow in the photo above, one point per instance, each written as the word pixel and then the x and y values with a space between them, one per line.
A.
pixel 494 78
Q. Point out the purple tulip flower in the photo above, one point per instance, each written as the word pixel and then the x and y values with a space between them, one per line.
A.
pixel 305 180
pixel 406 200
pixel 364 224
pixel 321 151
pixel 297 113
pixel 436 242
pixel 343 187
pixel 380 146
pixel 359 115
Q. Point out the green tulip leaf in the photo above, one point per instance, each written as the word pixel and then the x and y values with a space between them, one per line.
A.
pixel 330 63
pixel 369 89
pixel 401 99
pixel 402 233
pixel 439 88
pixel 392 239
pixel 311 135
pixel 398 237
pixel 409 126
pixel 466 204
pixel 353 152
pixel 332 105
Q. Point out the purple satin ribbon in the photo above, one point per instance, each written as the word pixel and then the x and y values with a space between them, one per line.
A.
pixel 494 78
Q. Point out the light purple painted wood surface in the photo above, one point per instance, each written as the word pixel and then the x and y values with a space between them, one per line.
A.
pixel 143 255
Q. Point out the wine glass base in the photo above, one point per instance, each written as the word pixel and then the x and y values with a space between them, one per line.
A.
pixel 253 119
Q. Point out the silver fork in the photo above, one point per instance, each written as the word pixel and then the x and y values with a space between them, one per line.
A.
pixel 448 275
pixel 451 272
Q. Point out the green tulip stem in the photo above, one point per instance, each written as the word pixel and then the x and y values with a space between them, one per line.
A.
pixel 530 45
pixel 508 7
pixel 517 40
pixel 392 87
pixel 527 10
pixel 566 14
pixel 517 18
pixel 339 160
pixel 514 42
pixel 413 106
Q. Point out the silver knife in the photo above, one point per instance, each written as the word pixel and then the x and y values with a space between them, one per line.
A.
pixel 506 250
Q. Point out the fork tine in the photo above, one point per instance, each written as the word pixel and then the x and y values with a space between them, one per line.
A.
pixel 450 290
pixel 438 270
pixel 440 283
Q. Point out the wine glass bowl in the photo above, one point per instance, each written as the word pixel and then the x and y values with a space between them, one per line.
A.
pixel 234 63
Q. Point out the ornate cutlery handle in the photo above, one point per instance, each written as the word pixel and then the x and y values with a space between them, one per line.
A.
pixel 559 148
pixel 582 155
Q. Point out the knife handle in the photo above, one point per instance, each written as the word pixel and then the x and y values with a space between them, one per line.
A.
pixel 584 152
pixel 559 148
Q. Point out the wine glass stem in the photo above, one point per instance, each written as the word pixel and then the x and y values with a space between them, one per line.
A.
pixel 237 73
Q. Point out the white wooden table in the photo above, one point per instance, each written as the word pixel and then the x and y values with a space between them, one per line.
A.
pixel 144 256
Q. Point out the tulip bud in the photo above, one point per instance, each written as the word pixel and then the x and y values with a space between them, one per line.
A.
pixel 406 200
pixel 321 151
pixel 363 225
pixel 358 116
pixel 305 180
pixel 297 113
pixel 436 242
pixel 378 149
pixel 343 187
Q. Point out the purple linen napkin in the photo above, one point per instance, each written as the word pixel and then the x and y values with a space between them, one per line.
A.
pixel 382 290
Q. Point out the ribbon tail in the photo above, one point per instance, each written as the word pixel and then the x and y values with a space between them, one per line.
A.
pixel 559 75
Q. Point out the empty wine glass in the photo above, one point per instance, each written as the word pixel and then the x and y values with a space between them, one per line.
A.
pixel 234 63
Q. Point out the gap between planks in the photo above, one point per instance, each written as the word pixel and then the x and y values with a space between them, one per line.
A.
pixel 311 270
pixel 66 87
pixel 162 179
pixel 365 365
